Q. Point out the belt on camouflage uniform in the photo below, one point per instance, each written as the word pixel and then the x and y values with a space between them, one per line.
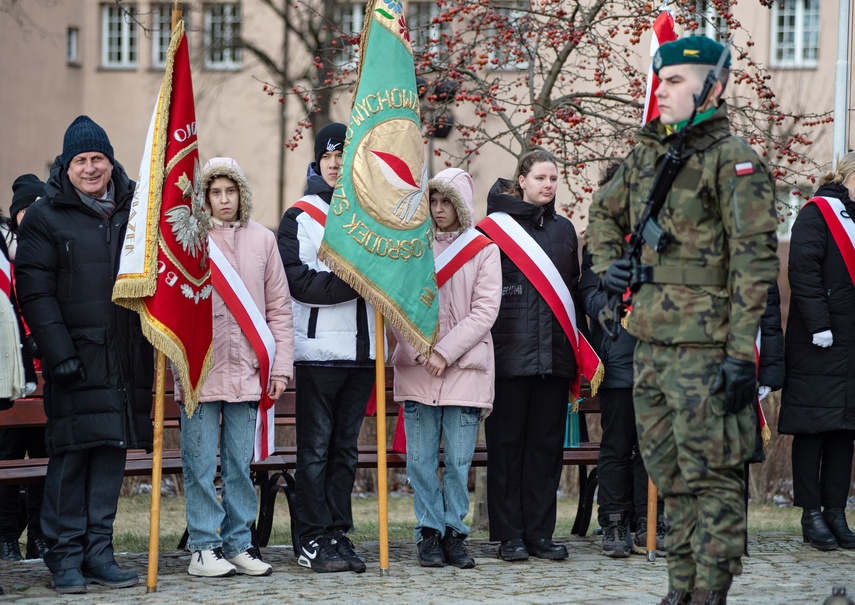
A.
pixel 687 276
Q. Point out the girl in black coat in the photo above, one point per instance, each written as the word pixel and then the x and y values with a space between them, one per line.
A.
pixel 818 404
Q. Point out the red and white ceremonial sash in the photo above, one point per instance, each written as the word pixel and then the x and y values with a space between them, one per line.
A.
pixel 539 269
pixel 663 31
pixel 234 293
pixel 314 209
pixel 5 276
pixel 464 247
pixel 841 226
pixel 765 432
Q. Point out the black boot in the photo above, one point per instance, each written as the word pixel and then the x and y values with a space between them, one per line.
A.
pixel 703 596
pixel 36 547
pixel 455 550
pixel 835 518
pixel 676 596
pixel 10 550
pixel 815 530
pixel 430 549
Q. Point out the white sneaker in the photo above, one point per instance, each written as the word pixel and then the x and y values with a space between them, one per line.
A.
pixel 249 563
pixel 210 564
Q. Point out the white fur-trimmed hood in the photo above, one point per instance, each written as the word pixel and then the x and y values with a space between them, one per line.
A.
pixel 456 185
pixel 228 167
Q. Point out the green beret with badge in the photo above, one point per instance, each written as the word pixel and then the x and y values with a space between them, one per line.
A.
pixel 694 50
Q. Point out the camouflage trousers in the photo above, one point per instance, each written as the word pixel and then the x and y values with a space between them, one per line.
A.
pixel 695 454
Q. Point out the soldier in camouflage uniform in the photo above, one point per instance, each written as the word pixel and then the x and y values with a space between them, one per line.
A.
pixel 695 317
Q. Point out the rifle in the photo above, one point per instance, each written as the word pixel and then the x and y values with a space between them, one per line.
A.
pixel 647 230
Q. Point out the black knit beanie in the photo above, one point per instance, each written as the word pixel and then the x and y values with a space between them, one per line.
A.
pixel 330 138
pixel 26 189
pixel 82 136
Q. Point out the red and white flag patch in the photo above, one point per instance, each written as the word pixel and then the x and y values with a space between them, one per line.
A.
pixel 744 168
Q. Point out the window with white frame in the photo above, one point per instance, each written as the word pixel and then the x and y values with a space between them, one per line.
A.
pixel 161 28
pixel 425 35
pixel 348 20
pixel 119 40
pixel 710 22
pixel 795 33
pixel 222 36
pixel 511 52
pixel 72 52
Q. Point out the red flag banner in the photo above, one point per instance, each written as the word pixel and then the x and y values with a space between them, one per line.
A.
pixel 663 31
pixel 164 273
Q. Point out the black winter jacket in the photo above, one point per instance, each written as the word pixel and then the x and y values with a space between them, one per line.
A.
pixel 527 338
pixel 819 388
pixel 617 354
pixel 66 265
pixel 771 372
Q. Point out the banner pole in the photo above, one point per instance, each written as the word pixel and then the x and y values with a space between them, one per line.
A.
pixel 382 487
pixel 156 473
pixel 652 518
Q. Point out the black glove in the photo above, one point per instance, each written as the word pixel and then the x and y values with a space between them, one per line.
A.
pixel 739 379
pixel 616 278
pixel 68 371
pixel 32 347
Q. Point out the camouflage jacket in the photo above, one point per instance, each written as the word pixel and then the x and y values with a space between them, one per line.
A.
pixel 721 215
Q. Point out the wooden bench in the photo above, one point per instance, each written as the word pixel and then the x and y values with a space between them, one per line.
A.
pixel 276 473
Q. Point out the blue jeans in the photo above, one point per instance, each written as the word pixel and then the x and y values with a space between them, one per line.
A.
pixel 239 508
pixel 439 506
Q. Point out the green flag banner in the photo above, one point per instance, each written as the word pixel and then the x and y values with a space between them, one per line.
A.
pixel 378 233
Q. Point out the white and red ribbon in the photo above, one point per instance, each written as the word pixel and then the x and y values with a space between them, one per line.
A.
pixel 314 209
pixel 841 226
pixel 463 248
pixel 761 416
pixel 5 276
pixel 234 293
pixel 663 31
pixel 539 269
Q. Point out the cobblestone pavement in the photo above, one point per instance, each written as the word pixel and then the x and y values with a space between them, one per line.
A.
pixel 780 570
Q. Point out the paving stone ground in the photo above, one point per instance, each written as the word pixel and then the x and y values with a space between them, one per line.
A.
pixel 780 571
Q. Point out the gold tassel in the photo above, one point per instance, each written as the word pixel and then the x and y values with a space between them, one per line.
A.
pixel 597 379
pixel 765 435
pixel 624 321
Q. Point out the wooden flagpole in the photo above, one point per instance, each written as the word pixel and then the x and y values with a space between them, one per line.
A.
pixel 382 487
pixel 156 471
pixel 157 454
pixel 652 518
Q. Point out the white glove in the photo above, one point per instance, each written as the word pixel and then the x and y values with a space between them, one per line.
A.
pixel 823 339
pixel 763 391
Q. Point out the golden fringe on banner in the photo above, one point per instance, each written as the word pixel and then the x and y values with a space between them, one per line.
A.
pixel 378 299
pixel 597 378
pixel 766 435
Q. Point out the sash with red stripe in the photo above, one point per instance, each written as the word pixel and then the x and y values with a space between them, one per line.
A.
pixel 313 209
pixel 461 250
pixel 539 269
pixel 5 276
pixel 841 226
pixel 765 432
pixel 252 323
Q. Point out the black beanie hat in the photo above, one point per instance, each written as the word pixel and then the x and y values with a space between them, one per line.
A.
pixel 330 138
pixel 26 189
pixel 85 135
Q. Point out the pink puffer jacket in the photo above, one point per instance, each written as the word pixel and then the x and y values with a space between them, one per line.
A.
pixel 251 249
pixel 468 307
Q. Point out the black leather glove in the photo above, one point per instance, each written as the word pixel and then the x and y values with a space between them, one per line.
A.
pixel 32 347
pixel 739 380
pixel 68 371
pixel 616 278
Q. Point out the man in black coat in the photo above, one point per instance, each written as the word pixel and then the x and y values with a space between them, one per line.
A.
pixel 97 366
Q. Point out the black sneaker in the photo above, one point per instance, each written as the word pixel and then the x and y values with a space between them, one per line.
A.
pixel 10 550
pixel 545 548
pixel 455 550
pixel 319 555
pixel 614 539
pixel 513 550
pixel 430 549
pixel 344 547
pixel 640 538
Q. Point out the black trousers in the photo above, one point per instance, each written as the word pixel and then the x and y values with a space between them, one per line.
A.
pixel 525 444
pixel 330 407
pixel 81 494
pixel 822 468
pixel 15 444
pixel 622 487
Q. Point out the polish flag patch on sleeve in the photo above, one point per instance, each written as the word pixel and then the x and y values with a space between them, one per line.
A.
pixel 744 168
